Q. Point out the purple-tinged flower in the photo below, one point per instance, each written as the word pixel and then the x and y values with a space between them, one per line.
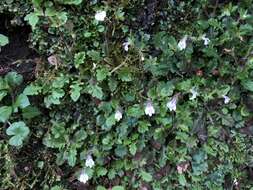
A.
pixel 172 104
pixel 118 115
pixel 182 43
pixel 149 109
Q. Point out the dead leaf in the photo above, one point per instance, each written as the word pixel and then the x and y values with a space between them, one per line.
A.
pixel 182 167
pixel 53 60
pixel 199 127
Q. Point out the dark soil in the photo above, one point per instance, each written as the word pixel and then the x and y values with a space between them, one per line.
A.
pixel 148 16
pixel 16 56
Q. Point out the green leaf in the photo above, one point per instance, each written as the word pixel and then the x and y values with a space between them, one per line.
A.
pixel 143 126
pixel 60 81
pixel 80 136
pixel 118 188
pixel 100 188
pixel 32 90
pixel 222 90
pixel 56 187
pixel 57 94
pixel 185 85
pixel 5 113
pixel 157 69
pixel 32 19
pixel 135 111
pixel 182 180
pixel 75 92
pixel 112 174
pixel 22 101
pixel 30 112
pixel 18 128
pixel 3 40
pixel 2 95
pixel 79 59
pixel 14 79
pixel 37 2
pixel 59 19
pixel 166 43
pixel 54 98
pixel 248 85
pixel 133 149
pixel 146 176
pixel 16 141
pixel 3 84
pixel 101 172
pixel 102 74
pixel 71 157
pixel 94 55
pixel 121 151
pixel 95 91
pixel 70 2
pixel 19 131
pixel 125 74
pixel 199 163
pixel 110 121
pixel 112 84
pixel 165 89
pixel 52 142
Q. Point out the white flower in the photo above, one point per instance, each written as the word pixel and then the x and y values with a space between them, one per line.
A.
pixel 118 115
pixel 194 94
pixel 83 177
pixel 226 99
pixel 100 16
pixel 126 45
pixel 235 182
pixel 182 43
pixel 142 58
pixel 94 66
pixel 149 109
pixel 89 162
pixel 172 104
pixel 206 40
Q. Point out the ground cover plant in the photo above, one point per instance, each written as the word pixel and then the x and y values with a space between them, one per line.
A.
pixel 127 94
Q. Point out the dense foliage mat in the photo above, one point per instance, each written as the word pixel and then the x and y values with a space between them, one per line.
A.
pixel 126 94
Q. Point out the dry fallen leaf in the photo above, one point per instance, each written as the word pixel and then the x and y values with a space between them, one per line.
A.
pixel 53 60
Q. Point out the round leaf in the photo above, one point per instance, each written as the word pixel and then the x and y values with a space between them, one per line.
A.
pixel 18 129
pixel 5 113
pixel 3 40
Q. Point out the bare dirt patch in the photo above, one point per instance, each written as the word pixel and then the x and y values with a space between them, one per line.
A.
pixel 16 56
